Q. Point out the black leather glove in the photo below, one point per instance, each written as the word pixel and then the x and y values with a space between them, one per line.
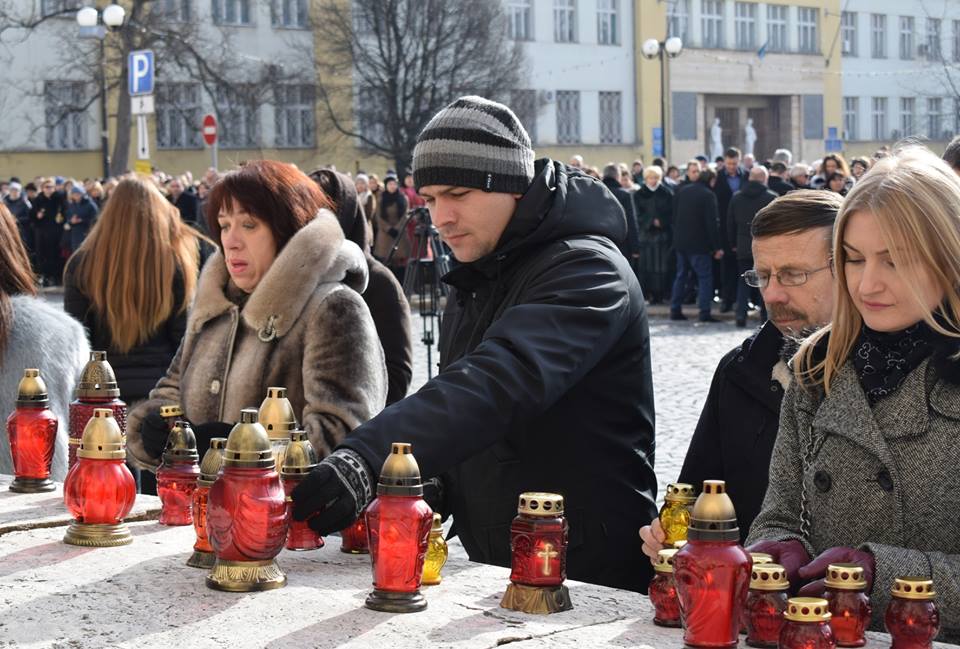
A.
pixel 205 432
pixel 154 431
pixel 334 494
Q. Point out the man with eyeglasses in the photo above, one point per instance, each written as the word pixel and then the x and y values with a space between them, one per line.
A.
pixel 734 438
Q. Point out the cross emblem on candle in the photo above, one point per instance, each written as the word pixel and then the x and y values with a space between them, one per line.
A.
pixel 546 554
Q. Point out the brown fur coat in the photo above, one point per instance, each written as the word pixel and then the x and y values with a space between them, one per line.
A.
pixel 305 327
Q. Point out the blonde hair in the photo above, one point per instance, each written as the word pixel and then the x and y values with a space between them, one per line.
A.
pixel 127 264
pixel 915 199
pixel 653 170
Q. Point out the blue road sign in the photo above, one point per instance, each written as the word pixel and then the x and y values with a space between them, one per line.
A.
pixel 140 73
pixel 657 140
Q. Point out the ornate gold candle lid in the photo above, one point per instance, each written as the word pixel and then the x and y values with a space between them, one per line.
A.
pixel 32 391
pixel 181 444
pixel 400 475
pixel 664 562
pixel 913 588
pixel 212 462
pixel 102 439
pixel 300 458
pixel 713 517
pixel 97 379
pixel 537 503
pixel 171 411
pixel 760 558
pixel 437 526
pixel 845 576
pixel 769 576
pixel 248 445
pixel 680 492
pixel 807 609
pixel 276 414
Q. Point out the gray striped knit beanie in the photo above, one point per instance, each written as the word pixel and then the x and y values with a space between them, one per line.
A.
pixel 474 142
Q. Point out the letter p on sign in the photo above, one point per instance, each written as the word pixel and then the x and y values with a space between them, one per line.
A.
pixel 140 72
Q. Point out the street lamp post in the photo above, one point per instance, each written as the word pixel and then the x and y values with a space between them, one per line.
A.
pixel 88 19
pixel 670 48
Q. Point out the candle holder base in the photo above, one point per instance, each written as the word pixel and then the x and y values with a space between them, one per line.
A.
pixel 671 624
pixel 204 560
pixel 245 576
pixel 95 535
pixel 32 485
pixel 390 602
pixel 536 599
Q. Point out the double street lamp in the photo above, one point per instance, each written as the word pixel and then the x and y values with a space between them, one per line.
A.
pixel 670 48
pixel 88 19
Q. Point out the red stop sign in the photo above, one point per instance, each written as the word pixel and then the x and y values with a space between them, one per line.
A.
pixel 209 129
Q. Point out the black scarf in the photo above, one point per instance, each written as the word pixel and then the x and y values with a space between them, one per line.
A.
pixel 883 360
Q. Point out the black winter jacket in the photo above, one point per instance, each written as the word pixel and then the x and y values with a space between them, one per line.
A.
pixel 44 211
pixel 779 186
pixel 20 209
pixel 743 207
pixel 695 220
pixel 734 438
pixel 189 206
pixel 544 385
pixel 650 205
pixel 724 196
pixel 632 244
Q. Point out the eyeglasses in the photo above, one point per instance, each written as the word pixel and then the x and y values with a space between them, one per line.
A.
pixel 784 277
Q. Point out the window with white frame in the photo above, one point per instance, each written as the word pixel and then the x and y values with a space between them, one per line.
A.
pixel 525 107
pixel 851 109
pixel 955 40
pixel 294 115
pixel 231 12
pixel 239 116
pixel 54 7
pixel 711 19
pixel 807 38
pixel 289 13
pixel 777 28
pixel 608 23
pixel 745 24
pixel 878 117
pixel 934 118
pixel 848 30
pixel 65 115
pixel 878 36
pixel 173 11
pixel 568 117
pixel 932 43
pixel 611 118
pixel 906 37
pixel 565 21
pixel 178 115
pixel 678 19
pixel 520 20
pixel 908 112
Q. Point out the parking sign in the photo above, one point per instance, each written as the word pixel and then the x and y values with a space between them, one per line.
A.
pixel 140 72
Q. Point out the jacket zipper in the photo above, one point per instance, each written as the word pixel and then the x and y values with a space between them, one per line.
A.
pixel 226 372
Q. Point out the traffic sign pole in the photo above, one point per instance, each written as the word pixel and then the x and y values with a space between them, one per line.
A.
pixel 209 131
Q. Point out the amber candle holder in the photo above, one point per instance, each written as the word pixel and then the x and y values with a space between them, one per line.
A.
pixel 177 476
pixel 766 604
pixel 353 539
pixel 663 591
pixel 100 490
pixel 437 552
pixel 276 415
pixel 848 604
pixel 398 529
pixel 807 625
pixel 32 430
pixel 210 467
pixel 912 618
pixel 247 513
pixel 97 389
pixel 299 460
pixel 675 513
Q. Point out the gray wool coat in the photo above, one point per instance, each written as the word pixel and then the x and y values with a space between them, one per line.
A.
pixel 882 479
pixel 304 327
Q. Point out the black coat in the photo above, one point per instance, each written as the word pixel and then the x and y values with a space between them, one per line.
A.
pixel 650 205
pixel 20 208
pixel 743 207
pixel 780 186
pixel 84 209
pixel 189 206
pixel 695 220
pixel 544 385
pixel 632 244
pixel 44 211
pixel 724 196
pixel 734 438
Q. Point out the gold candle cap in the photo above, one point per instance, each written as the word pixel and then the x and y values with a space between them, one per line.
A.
pixel 212 462
pixel 437 526
pixel 300 458
pixel 168 412
pixel 664 561
pixel 713 517
pixel 913 588
pixel 538 503
pixel 400 475
pixel 680 492
pixel 276 414
pixel 248 445
pixel 845 576
pixel 32 391
pixel 102 439
pixel 769 576
pixel 97 379
pixel 760 558
pixel 807 609
pixel 181 444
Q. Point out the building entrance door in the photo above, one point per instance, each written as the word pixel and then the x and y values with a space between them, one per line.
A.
pixel 730 123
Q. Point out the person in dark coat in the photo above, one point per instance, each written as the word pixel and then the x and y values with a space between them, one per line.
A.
pixel 631 247
pixel 187 203
pixel 19 207
pixel 743 208
pixel 46 215
pixel 731 178
pixel 738 425
pixel 545 332
pixel 384 295
pixel 81 214
pixel 653 203
pixel 779 182
pixel 696 241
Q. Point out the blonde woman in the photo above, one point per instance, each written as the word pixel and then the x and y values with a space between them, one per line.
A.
pixel 864 469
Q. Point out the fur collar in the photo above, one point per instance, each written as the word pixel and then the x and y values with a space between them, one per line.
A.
pixel 316 255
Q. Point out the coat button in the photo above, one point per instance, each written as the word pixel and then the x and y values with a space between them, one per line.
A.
pixel 822 481
pixel 884 480
pixel 215 386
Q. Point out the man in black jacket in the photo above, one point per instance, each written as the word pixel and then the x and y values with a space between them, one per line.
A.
pixel 779 182
pixel 734 438
pixel 545 378
pixel 631 247
pixel 743 208
pixel 731 178
pixel 695 240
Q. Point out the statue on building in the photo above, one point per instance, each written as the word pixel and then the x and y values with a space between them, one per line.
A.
pixel 749 137
pixel 716 140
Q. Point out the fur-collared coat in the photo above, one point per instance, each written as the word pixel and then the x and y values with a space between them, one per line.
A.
pixel 881 479
pixel 304 327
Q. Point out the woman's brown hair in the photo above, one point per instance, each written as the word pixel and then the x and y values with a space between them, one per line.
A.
pixel 16 278
pixel 277 193
pixel 127 265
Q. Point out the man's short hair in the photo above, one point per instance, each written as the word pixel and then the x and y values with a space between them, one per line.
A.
pixel 707 176
pixel 799 169
pixel 952 154
pixel 778 167
pixel 783 155
pixel 611 170
pixel 759 174
pixel 796 212
pixel 732 152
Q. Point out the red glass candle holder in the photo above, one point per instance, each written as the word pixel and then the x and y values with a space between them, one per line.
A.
pixel 100 490
pixel 398 529
pixel 247 513
pixel 663 591
pixel 203 556
pixel 766 604
pixel 299 459
pixel 353 539
pixel 177 476
pixel 675 513
pixel 97 389
pixel 32 429
pixel 848 604
pixel 912 618
pixel 807 625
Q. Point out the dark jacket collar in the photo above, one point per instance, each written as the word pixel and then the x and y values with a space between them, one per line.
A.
pixel 751 367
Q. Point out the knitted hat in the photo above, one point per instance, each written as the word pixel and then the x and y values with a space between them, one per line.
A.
pixel 474 142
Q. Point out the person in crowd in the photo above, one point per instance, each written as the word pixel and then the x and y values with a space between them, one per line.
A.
pixel 96 194
pixel 748 161
pixel 4 188
pixel 278 304
pixel 832 162
pixel 779 182
pixel 108 186
pixel 392 246
pixel 738 425
pixel 80 214
pixel 31 191
pixel 46 215
pixel 384 294
pixel 576 161
pixel 368 203
pixel 186 202
pixel 19 207
pixel 800 176
pixel 636 170
pixel 859 166
pixel 951 155
pixel 544 333
pixel 695 240
pixel 783 155
pixel 414 200
pixel 866 454
pixel 837 183
pixel 743 209
pixel 631 245
pixel 731 177
pixel 653 205
pixel 673 176
pixel 626 178
pixel 34 334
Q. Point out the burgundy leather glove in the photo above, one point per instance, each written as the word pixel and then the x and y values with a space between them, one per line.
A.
pixel 789 554
pixel 817 569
